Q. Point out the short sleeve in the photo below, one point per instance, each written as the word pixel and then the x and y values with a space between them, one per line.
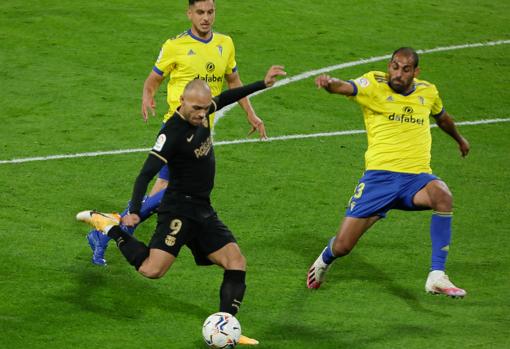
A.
pixel 437 107
pixel 363 88
pixel 165 62
pixel 231 63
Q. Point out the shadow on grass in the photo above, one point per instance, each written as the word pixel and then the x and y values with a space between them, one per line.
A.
pixel 297 326
pixel 315 336
pixel 122 294
pixel 357 268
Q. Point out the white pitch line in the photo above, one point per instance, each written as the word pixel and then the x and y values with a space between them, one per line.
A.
pixel 311 73
pixel 236 141
pixel 280 83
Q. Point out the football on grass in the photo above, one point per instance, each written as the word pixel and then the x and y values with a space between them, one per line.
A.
pixel 221 330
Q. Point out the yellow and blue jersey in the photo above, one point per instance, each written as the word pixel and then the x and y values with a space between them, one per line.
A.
pixel 398 126
pixel 187 57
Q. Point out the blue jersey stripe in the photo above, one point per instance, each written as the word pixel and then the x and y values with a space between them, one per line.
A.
pixel 157 71
pixel 355 92
pixel 199 39
pixel 438 114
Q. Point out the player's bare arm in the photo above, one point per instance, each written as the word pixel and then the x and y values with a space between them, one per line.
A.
pixel 233 81
pixel 334 85
pixel 446 123
pixel 150 87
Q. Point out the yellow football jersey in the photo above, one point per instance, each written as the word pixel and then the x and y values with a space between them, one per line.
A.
pixel 398 126
pixel 187 57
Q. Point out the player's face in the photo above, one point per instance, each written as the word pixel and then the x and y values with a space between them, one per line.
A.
pixel 202 14
pixel 194 107
pixel 401 73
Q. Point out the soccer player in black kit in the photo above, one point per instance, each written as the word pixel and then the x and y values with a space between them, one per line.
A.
pixel 185 216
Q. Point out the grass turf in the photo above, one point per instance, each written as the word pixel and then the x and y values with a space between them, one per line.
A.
pixel 71 81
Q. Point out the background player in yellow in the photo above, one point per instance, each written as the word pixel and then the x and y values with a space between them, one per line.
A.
pixel 198 53
pixel 396 108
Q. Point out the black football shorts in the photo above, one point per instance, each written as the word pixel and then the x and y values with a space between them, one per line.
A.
pixel 202 235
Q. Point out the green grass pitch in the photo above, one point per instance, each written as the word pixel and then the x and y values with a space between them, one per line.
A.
pixel 71 76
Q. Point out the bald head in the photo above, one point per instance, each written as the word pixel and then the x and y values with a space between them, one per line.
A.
pixel 196 100
pixel 197 87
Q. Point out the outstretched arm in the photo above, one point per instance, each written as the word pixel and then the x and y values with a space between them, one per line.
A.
pixel 233 95
pixel 446 123
pixel 334 85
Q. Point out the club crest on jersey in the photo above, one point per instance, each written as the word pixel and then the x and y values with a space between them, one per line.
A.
pixel 220 49
pixel 160 142
pixel 422 100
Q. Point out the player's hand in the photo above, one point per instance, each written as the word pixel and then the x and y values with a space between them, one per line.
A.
pixel 148 103
pixel 130 220
pixel 464 146
pixel 272 73
pixel 257 125
pixel 323 81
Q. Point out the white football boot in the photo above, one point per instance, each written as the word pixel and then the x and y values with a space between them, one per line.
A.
pixel 317 273
pixel 438 283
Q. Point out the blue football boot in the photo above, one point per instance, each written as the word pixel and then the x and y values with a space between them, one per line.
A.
pixel 98 243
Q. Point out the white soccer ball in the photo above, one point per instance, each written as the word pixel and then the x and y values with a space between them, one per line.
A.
pixel 221 331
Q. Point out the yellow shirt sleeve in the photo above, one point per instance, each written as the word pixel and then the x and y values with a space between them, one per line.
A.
pixel 231 63
pixel 363 88
pixel 437 106
pixel 166 60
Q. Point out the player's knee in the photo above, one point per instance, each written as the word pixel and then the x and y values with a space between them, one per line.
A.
pixel 237 262
pixel 443 198
pixel 151 272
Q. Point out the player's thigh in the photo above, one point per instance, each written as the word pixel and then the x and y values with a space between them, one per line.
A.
pixel 159 185
pixel 350 231
pixel 229 257
pixel 436 191
pixel 157 264
pixel 218 245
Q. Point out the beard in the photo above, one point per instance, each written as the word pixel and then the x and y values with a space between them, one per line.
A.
pixel 399 87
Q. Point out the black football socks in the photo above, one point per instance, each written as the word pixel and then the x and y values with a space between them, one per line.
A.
pixel 232 291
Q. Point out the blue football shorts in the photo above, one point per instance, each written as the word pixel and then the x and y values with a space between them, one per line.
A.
pixel 379 191
pixel 164 173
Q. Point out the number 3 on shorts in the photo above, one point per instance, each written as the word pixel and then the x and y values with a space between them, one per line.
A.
pixel 358 191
